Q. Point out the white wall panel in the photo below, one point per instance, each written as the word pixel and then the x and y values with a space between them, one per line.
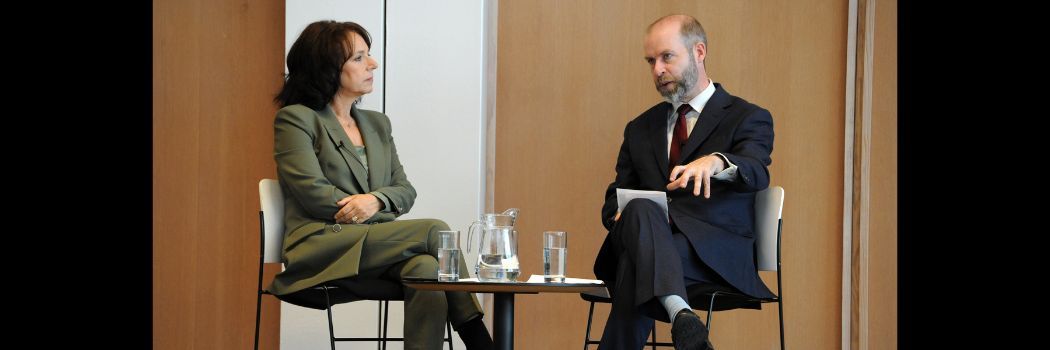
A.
pixel 435 104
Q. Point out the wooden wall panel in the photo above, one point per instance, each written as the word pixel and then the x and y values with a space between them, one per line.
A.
pixel 571 74
pixel 882 294
pixel 216 68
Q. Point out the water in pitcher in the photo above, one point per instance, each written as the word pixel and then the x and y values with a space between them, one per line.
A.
pixel 497 268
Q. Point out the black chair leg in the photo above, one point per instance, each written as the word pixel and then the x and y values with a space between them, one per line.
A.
pixel 448 327
pixel 587 336
pixel 710 311
pixel 780 308
pixel 258 313
pixel 331 329
pixel 386 320
pixel 379 328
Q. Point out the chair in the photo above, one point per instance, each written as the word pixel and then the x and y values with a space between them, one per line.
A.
pixel 271 223
pixel 769 206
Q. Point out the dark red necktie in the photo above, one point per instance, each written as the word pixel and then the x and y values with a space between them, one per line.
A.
pixel 679 136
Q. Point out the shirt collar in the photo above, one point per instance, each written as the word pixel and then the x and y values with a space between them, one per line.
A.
pixel 700 100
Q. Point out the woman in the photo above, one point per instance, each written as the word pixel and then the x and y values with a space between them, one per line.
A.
pixel 344 185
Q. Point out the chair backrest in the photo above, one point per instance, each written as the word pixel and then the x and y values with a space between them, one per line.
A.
pixel 769 207
pixel 271 201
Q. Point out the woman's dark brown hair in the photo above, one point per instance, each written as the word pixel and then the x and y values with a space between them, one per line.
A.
pixel 315 61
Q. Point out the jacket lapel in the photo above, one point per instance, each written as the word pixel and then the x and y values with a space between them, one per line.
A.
pixel 658 135
pixel 345 147
pixel 713 112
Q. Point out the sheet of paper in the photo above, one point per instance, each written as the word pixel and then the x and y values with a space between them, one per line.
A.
pixel 624 195
pixel 604 292
pixel 539 279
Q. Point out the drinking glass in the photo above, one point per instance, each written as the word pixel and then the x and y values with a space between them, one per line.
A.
pixel 555 250
pixel 448 256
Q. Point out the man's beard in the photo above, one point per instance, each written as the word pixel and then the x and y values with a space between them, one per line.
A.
pixel 681 86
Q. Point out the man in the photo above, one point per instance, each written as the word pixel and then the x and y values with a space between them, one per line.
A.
pixel 702 140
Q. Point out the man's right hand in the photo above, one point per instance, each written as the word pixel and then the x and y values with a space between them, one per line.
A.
pixel 699 171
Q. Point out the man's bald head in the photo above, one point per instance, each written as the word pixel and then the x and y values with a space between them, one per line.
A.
pixel 688 27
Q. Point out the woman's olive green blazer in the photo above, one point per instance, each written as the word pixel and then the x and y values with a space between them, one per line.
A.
pixel 317 166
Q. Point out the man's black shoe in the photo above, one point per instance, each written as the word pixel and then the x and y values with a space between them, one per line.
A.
pixel 688 332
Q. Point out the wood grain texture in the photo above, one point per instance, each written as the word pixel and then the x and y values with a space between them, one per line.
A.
pixel 882 273
pixel 216 67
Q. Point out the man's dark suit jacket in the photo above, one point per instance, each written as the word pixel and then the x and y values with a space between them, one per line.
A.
pixel 720 229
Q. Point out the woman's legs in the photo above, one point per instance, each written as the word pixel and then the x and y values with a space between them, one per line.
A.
pixel 424 310
pixel 408 248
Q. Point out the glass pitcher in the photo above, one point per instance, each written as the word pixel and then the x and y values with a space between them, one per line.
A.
pixel 505 244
